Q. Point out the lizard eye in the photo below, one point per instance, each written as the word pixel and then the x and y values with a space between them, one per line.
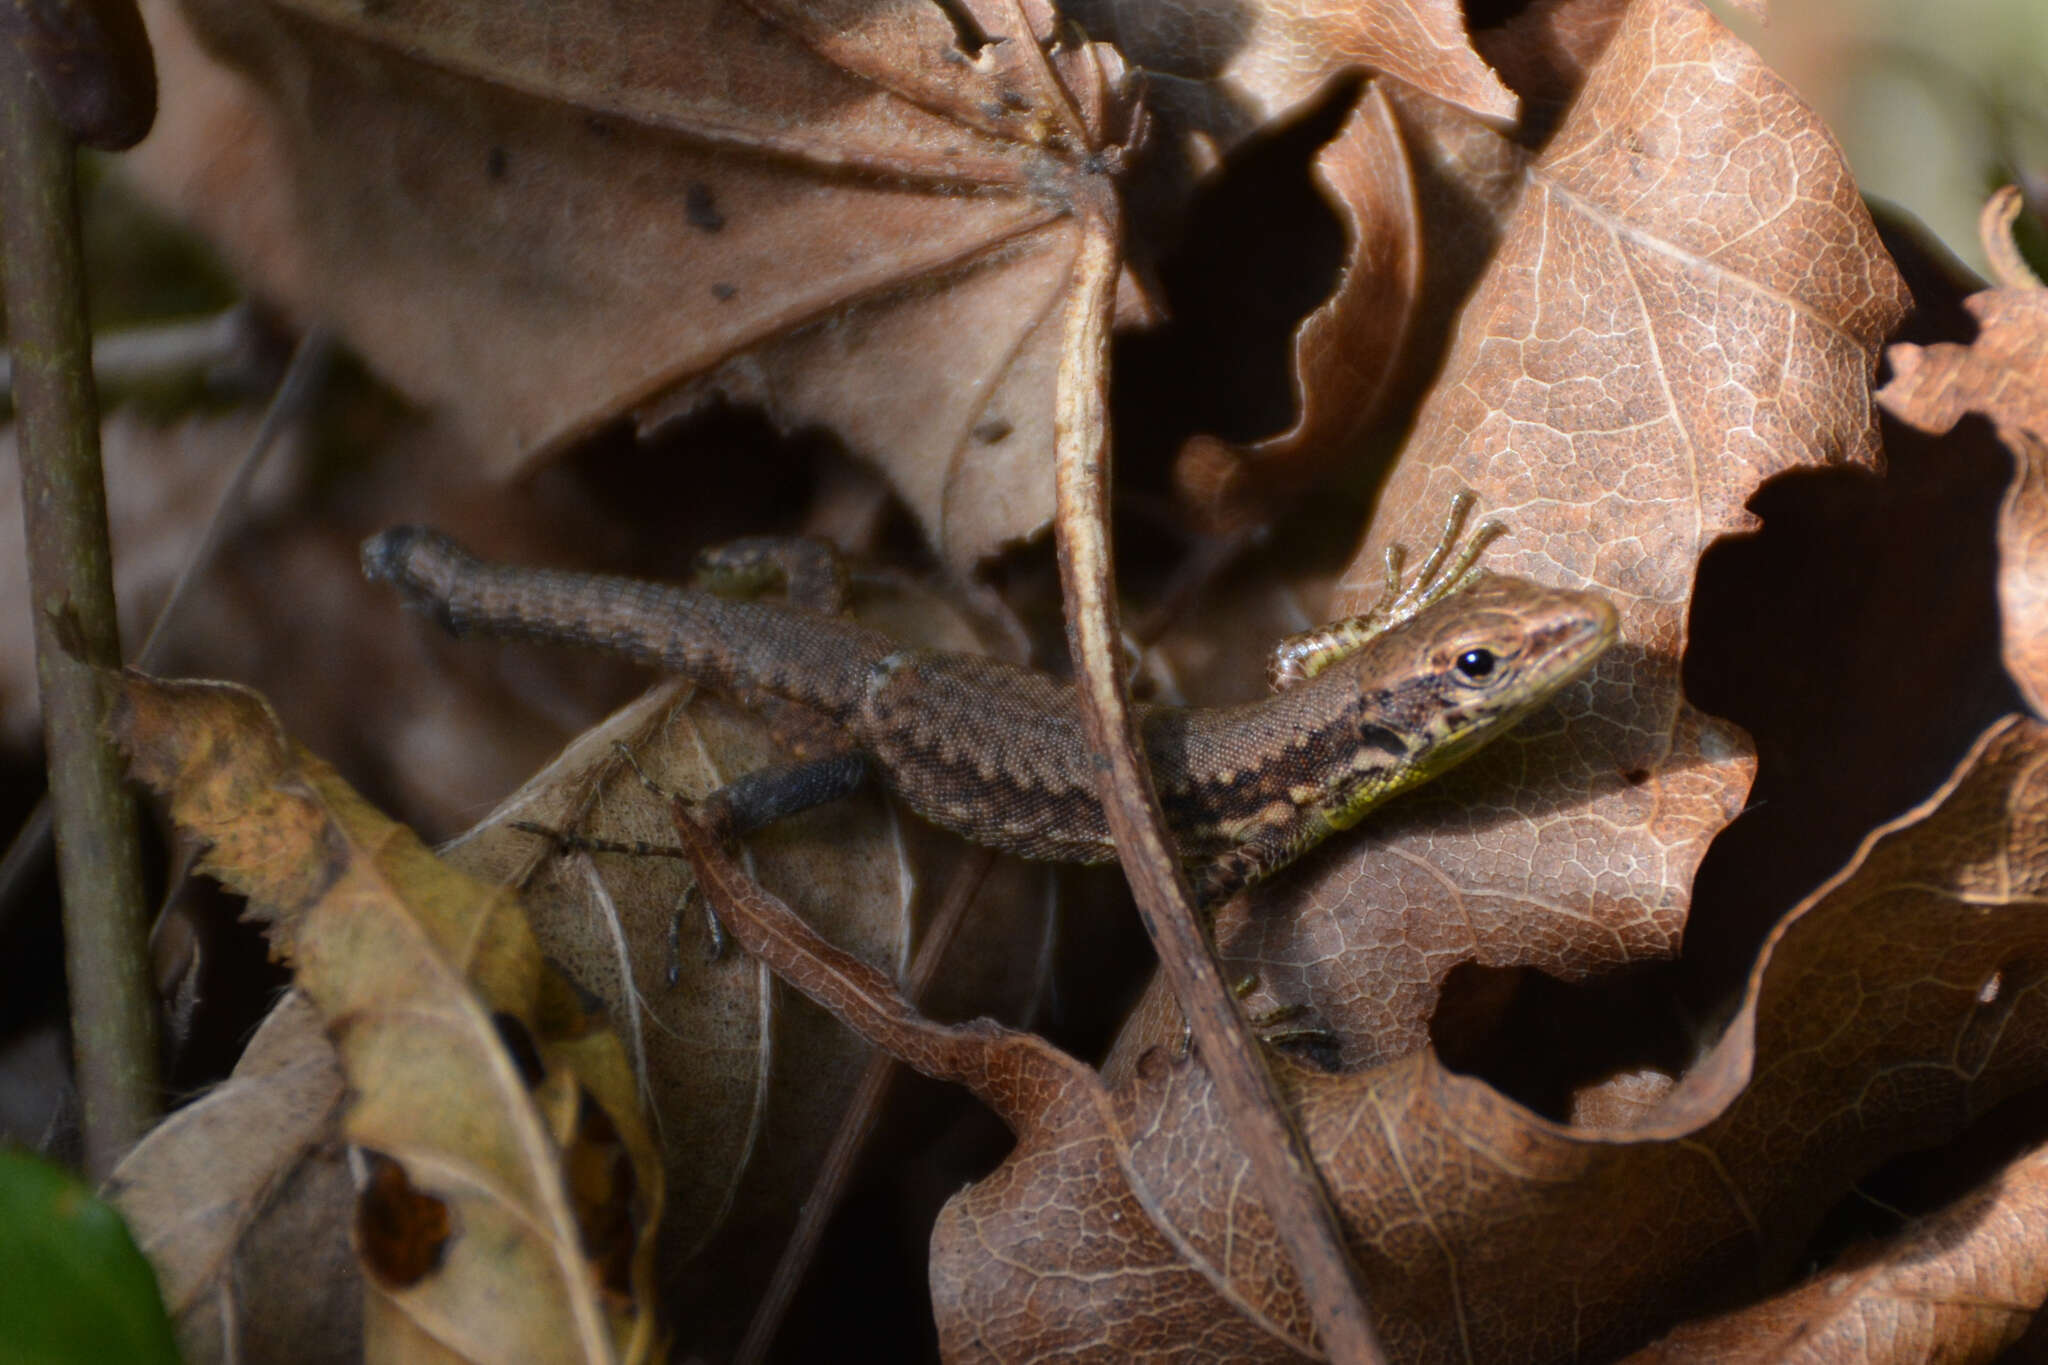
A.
pixel 1475 665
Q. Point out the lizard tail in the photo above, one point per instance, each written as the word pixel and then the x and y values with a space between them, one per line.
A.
pixel 737 647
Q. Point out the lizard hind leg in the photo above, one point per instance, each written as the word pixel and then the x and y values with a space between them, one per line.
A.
pixel 566 842
pixel 1450 569
pixel 747 803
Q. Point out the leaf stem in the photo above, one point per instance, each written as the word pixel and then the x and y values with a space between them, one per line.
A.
pixel 113 1010
pixel 1288 1182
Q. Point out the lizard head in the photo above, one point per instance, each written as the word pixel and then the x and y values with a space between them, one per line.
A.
pixel 1465 670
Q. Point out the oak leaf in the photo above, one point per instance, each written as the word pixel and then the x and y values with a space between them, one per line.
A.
pixel 508 1164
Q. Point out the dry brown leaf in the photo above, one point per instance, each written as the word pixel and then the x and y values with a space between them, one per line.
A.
pixel 1219 73
pixel 2003 375
pixel 855 216
pixel 508 1164
pixel 241 1202
pixel 746 1085
pixel 1898 1002
pixel 1959 1286
pixel 1689 301
pixel 1216 75
pixel 1346 350
pixel 1485 1233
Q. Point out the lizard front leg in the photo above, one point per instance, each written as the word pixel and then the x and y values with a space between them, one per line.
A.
pixel 1449 570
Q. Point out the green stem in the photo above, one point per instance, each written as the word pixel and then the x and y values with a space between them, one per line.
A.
pixel 113 1010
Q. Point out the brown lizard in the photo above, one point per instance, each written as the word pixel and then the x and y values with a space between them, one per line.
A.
pixel 1364 708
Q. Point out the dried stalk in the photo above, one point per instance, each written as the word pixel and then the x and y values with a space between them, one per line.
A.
pixel 1287 1180
pixel 113 1011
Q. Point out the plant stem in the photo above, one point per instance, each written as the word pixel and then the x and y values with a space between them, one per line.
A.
pixel 113 1012
pixel 1283 1171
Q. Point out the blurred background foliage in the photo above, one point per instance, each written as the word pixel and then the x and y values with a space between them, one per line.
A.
pixel 1935 104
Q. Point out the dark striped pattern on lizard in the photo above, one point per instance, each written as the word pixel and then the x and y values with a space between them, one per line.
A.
pixel 995 752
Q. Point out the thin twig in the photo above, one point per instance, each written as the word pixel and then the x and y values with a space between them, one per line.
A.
pixel 303 378
pixel 71 589
pixel 1286 1178
pixel 302 381
pixel 167 353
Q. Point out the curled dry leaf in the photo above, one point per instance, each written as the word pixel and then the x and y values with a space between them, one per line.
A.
pixel 853 215
pixel 1417 161
pixel 514 1192
pixel 1688 301
pixel 2003 375
pixel 1345 351
pixel 1960 1285
pixel 241 1202
pixel 1898 1002
pixel 1217 74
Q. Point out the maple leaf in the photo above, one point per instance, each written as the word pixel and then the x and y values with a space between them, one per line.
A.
pixel 855 216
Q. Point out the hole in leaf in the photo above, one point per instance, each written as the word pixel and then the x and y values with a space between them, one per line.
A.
pixel 1260 250
pixel 604 1194
pixel 1548 1044
pixel 520 1046
pixel 403 1232
pixel 1490 13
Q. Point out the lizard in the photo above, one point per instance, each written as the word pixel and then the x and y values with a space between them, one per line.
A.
pixel 1361 709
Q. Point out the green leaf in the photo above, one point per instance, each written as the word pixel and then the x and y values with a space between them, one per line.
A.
pixel 73 1286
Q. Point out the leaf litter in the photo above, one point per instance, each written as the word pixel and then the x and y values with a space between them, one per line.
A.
pixel 531 1179
pixel 1685 299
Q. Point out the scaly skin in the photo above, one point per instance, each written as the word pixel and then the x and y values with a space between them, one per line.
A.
pixel 996 753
